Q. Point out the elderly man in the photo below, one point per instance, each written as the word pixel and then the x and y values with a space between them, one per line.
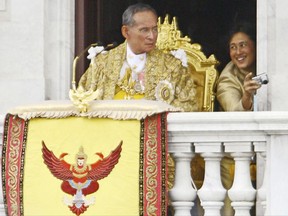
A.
pixel 137 69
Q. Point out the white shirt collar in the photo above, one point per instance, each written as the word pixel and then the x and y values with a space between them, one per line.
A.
pixel 136 62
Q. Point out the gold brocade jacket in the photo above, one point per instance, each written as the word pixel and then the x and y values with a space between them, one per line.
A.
pixel 165 77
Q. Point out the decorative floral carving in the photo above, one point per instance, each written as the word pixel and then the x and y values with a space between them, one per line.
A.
pixel 180 54
pixel 93 51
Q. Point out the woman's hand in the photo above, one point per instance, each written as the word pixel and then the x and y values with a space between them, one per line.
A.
pixel 250 86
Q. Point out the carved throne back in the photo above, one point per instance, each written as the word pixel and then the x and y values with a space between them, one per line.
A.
pixel 203 69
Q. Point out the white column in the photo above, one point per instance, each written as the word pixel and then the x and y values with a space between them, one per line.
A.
pixel 59 28
pixel 277 176
pixel 183 194
pixel 212 192
pixel 242 193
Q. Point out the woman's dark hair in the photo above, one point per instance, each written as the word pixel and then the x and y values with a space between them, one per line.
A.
pixel 244 27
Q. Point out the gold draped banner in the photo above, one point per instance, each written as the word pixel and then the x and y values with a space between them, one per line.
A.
pixel 125 160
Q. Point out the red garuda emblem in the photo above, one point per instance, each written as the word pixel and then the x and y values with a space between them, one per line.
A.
pixel 80 179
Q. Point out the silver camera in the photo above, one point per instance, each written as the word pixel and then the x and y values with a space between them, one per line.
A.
pixel 261 78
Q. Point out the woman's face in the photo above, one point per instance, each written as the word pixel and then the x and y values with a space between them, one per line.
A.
pixel 242 52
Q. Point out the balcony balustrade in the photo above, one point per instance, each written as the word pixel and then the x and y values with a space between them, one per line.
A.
pixel 241 135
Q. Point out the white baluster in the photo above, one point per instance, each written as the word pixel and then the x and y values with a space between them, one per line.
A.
pixel 260 148
pixel 182 194
pixel 262 190
pixel 242 193
pixel 212 193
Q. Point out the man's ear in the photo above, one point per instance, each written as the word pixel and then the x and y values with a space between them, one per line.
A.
pixel 125 31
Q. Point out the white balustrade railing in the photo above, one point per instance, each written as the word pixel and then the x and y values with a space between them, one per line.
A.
pixel 239 135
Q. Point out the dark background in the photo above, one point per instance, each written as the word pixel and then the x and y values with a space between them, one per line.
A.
pixel 206 22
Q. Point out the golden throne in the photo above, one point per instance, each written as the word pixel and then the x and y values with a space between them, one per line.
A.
pixel 203 69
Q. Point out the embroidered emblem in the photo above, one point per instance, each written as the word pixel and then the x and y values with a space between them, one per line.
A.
pixel 80 179
pixel 164 91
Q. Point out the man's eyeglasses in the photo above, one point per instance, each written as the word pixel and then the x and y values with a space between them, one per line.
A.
pixel 146 31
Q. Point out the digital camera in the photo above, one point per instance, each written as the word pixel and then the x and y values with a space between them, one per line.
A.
pixel 261 78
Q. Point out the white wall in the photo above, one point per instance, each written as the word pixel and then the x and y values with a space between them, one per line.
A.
pixel 278 57
pixel 21 51
pixel 36 51
pixel 272 34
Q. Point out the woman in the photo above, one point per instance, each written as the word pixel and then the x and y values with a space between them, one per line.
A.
pixel 235 88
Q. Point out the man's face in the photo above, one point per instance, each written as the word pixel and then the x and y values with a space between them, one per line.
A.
pixel 142 36
pixel 242 51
